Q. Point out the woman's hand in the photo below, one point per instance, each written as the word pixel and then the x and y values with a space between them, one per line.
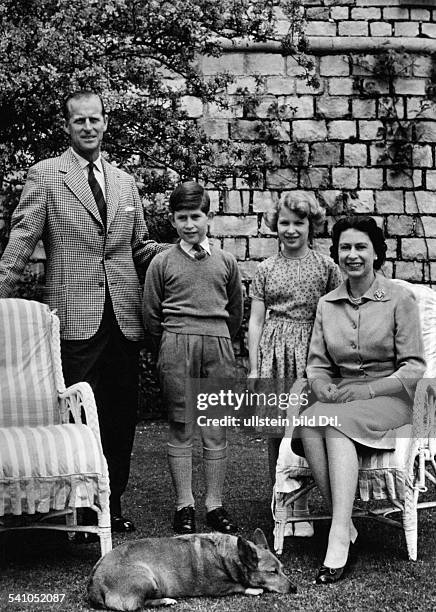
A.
pixel 353 391
pixel 325 392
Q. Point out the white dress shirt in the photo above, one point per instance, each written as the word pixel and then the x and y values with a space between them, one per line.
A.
pixel 188 248
pixel 98 170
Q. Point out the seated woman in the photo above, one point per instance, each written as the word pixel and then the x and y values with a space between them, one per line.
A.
pixel 366 336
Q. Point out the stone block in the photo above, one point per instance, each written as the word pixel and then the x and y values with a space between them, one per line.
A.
pixel 429 29
pixel 231 225
pixel 341 130
pixel 315 178
pixel 421 202
pixel 388 269
pixel 247 83
pixel 353 28
pixel 422 156
pixel 229 62
pixel 380 28
pixel 362 109
pixel 336 65
pixel 420 14
pixel 344 178
pixel 298 107
pixel 355 155
pixel 320 28
pixel 280 85
pixel 365 14
pixel 214 200
pixel 341 86
pixel 320 13
pixel 431 179
pixel 422 66
pixel 389 202
pixel 293 68
pixel 340 13
pixel 236 201
pixel 426 226
pixel 426 131
pixel 328 199
pixel 400 225
pixel 325 154
pixel 391 252
pixel 370 130
pixel 192 106
pixel 216 111
pixel 265 230
pixel 390 14
pixel 371 178
pixel 409 270
pixel 400 179
pixel 303 88
pixel 322 245
pixel 418 249
pixel 364 202
pixel 236 246
pixel 216 129
pixel 283 178
pixel 406 28
pixel 263 200
pixel 265 63
pixel 261 248
pixel 309 130
pixel 331 107
pixel 410 87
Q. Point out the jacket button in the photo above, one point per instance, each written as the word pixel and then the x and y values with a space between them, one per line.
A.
pixel 353 325
pixel 353 345
pixel 101 284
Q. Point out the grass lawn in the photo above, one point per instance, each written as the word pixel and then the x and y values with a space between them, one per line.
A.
pixel 381 579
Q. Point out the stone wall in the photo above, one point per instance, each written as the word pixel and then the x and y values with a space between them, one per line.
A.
pixel 335 132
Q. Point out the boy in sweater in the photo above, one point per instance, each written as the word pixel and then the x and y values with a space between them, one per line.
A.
pixel 193 308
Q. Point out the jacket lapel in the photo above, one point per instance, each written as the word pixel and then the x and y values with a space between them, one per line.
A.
pixel 76 182
pixel 112 191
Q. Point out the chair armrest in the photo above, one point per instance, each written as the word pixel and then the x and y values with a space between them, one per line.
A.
pixel 77 404
pixel 424 424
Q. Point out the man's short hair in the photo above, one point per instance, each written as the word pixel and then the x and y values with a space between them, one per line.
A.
pixel 78 95
pixel 189 195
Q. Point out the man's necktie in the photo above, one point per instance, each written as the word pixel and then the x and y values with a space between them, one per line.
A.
pixel 97 193
pixel 199 252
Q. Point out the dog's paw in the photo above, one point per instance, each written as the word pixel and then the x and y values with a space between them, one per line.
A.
pixel 250 591
pixel 167 601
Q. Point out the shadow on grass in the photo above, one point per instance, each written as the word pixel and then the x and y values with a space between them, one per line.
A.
pixel 380 579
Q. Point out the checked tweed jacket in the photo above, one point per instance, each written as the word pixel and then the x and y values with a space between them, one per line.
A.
pixel 57 205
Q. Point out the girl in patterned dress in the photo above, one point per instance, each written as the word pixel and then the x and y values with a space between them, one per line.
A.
pixel 285 293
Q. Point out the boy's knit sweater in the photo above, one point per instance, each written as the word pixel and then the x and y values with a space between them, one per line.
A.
pixel 192 296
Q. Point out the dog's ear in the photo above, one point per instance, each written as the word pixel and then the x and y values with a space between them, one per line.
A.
pixel 247 554
pixel 259 539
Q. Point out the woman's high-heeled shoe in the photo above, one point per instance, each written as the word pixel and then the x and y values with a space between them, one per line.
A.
pixel 329 575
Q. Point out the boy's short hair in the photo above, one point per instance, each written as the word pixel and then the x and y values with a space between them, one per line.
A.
pixel 189 195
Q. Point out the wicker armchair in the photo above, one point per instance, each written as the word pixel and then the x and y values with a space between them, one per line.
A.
pixel 51 462
pixel 398 476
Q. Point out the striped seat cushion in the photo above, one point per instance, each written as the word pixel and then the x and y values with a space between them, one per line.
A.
pixel 28 394
pixel 50 468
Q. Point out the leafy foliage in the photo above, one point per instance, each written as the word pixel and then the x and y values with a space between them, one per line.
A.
pixel 144 57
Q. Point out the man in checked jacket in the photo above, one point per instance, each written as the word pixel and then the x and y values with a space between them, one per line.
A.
pixel 91 222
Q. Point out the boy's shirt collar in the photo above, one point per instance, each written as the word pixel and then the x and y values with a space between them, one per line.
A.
pixel 187 247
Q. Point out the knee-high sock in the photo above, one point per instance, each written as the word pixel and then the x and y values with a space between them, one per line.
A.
pixel 180 462
pixel 215 463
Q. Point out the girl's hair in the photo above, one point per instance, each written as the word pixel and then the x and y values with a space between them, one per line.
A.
pixel 367 225
pixel 303 204
pixel 189 195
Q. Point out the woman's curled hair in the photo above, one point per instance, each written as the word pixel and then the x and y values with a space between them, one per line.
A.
pixel 368 226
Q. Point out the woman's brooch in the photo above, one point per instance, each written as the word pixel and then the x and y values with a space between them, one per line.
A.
pixel 379 294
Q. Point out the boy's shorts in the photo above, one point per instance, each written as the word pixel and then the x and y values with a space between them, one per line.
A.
pixel 185 356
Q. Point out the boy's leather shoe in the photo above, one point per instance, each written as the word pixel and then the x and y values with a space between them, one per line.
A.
pixel 121 525
pixel 184 520
pixel 219 520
